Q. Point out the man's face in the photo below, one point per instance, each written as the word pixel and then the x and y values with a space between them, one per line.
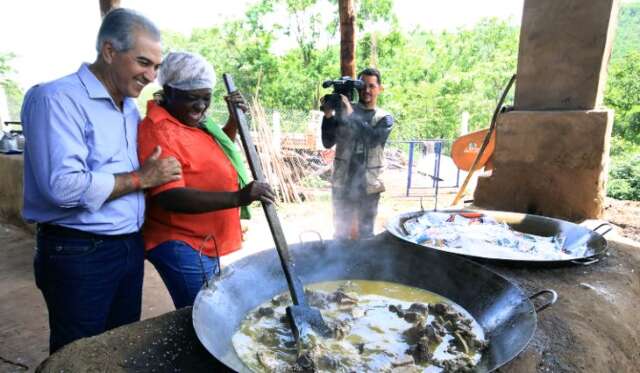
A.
pixel 137 67
pixel 188 106
pixel 369 94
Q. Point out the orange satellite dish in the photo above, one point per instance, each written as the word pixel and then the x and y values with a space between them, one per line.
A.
pixel 465 149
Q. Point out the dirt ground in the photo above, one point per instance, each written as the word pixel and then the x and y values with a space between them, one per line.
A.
pixel 625 215
pixel 592 328
pixel 594 325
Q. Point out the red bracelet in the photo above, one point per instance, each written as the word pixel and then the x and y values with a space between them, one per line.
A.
pixel 137 184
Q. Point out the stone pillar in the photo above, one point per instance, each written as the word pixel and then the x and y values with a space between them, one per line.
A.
pixel 549 163
pixel 552 152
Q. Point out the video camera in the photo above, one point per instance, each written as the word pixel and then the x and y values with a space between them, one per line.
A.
pixel 343 86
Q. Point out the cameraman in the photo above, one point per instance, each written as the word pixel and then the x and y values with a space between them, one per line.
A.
pixel 359 132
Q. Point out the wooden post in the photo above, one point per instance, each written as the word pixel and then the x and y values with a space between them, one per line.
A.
pixel 107 5
pixel 347 38
pixel 373 59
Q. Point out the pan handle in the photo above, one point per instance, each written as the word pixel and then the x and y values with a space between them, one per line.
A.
pixel 601 253
pixel 588 261
pixel 554 298
pixel 596 258
pixel 311 231
pixel 607 225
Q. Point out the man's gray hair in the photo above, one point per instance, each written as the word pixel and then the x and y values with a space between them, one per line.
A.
pixel 119 27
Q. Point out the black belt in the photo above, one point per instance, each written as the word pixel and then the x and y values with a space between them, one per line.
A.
pixel 66 232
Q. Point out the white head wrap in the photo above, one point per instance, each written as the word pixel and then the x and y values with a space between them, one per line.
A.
pixel 186 71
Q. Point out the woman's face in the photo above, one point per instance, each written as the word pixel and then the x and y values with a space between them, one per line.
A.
pixel 187 106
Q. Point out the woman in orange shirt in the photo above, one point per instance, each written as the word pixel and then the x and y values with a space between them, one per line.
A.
pixel 182 215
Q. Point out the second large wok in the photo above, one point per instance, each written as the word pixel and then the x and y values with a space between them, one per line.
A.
pixel 584 246
pixel 506 314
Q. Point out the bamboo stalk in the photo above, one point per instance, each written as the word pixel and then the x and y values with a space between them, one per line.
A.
pixel 282 176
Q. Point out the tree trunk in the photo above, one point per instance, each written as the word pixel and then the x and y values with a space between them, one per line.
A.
pixel 107 5
pixel 347 38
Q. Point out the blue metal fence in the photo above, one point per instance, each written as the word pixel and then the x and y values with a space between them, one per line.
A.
pixel 438 147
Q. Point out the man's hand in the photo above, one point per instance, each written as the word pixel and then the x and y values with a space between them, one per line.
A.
pixel 328 110
pixel 156 171
pixel 254 191
pixel 347 109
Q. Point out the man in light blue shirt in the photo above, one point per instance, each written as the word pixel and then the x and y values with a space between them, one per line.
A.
pixel 83 184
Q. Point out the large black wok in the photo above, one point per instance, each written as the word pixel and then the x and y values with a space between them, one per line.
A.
pixel 506 314
pixel 576 236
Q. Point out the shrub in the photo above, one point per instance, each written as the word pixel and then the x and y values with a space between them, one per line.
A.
pixel 624 178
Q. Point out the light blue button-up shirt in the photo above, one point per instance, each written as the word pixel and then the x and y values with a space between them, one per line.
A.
pixel 76 140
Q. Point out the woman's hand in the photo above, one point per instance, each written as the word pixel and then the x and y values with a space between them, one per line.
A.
pixel 256 191
pixel 235 98
pixel 232 99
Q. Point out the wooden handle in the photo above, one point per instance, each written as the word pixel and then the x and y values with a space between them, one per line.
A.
pixel 295 286
pixel 492 127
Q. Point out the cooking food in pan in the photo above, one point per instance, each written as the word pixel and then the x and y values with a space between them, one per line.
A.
pixel 376 327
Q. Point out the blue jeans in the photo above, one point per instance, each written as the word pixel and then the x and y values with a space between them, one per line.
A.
pixel 182 270
pixel 90 285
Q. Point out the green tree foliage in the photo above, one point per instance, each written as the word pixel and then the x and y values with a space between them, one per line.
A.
pixel 368 13
pixel 624 178
pixel 5 67
pixel 624 170
pixel 623 95
pixel 12 90
pixel 628 33
pixel 430 78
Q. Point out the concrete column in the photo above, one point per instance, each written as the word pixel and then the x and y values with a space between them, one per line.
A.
pixel 549 163
pixel 552 152
pixel 565 47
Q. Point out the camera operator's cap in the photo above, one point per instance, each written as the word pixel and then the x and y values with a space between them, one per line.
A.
pixel 186 71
